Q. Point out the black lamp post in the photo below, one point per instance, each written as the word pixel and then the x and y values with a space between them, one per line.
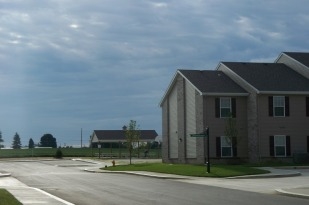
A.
pixel 207 136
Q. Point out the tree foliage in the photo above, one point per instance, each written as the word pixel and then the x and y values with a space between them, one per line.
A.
pixel 1 140
pixel 31 143
pixel 16 144
pixel 132 133
pixel 231 131
pixel 47 140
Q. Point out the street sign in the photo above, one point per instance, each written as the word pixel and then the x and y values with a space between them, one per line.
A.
pixel 205 134
pixel 198 135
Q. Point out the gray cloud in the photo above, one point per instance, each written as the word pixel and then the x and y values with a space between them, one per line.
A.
pixel 67 64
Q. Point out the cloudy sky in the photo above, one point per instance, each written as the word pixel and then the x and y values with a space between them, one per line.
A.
pixel 72 64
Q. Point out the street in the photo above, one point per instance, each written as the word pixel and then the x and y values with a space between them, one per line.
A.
pixel 67 180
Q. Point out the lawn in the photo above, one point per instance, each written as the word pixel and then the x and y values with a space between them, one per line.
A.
pixel 191 170
pixel 7 199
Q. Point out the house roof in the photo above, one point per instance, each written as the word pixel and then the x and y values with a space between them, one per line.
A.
pixel 300 57
pixel 211 81
pixel 270 76
pixel 207 82
pixel 119 135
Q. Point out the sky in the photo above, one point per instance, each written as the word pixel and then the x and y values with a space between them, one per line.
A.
pixel 68 67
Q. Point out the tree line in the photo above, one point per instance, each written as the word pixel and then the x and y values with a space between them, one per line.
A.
pixel 47 140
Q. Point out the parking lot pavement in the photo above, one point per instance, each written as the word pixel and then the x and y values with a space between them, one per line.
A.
pixel 289 182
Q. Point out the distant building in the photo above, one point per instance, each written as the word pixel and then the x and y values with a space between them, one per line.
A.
pixel 118 136
pixel 269 102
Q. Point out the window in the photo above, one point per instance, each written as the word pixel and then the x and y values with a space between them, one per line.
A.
pixel 225 107
pixel 280 149
pixel 279 106
pixel 225 147
pixel 280 146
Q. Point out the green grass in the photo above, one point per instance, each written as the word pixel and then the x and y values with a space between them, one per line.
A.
pixel 191 170
pixel 70 152
pixel 7 199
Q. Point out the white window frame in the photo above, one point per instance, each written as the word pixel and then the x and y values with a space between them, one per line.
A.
pixel 279 143
pixel 225 107
pixel 276 104
pixel 226 144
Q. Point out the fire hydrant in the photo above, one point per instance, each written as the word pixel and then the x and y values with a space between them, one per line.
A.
pixel 113 162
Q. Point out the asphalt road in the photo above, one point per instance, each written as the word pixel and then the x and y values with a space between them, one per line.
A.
pixel 67 180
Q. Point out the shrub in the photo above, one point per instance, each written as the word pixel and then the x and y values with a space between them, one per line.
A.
pixel 58 154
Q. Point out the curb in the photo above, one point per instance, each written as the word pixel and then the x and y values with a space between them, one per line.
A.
pixel 5 174
pixel 151 175
pixel 266 176
pixel 293 167
pixel 138 174
pixel 161 176
pixel 286 193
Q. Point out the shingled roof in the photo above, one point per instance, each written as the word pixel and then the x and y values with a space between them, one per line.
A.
pixel 210 81
pixel 119 135
pixel 270 76
pixel 300 57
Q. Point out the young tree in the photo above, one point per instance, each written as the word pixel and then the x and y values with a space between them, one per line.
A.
pixel 31 143
pixel 132 134
pixel 231 133
pixel 16 141
pixel 1 140
pixel 47 140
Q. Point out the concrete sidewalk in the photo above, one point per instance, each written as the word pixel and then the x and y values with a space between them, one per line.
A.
pixel 28 195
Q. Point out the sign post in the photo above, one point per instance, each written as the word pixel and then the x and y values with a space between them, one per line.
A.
pixel 205 134
pixel 99 146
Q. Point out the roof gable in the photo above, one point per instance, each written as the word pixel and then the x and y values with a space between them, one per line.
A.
pixel 301 57
pixel 270 76
pixel 212 81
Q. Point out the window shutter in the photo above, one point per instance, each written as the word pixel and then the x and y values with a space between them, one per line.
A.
pixel 307 106
pixel 270 106
pixel 218 146
pixel 287 106
pixel 308 144
pixel 288 145
pixel 233 107
pixel 217 104
pixel 234 146
pixel 271 146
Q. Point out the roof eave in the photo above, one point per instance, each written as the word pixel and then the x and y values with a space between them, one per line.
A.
pixel 285 92
pixel 124 140
pixel 225 94
pixel 172 83
pixel 278 58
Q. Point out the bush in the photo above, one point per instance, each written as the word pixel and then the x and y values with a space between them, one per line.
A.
pixel 58 154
